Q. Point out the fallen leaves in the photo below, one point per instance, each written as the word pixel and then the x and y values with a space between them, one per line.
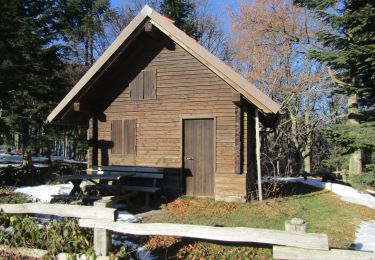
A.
pixel 181 206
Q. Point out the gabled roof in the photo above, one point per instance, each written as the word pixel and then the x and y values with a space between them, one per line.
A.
pixel 235 80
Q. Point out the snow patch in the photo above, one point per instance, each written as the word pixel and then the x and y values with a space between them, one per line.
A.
pixel 125 216
pixel 15 160
pixel 43 193
pixel 142 253
pixel 344 192
pixel 365 237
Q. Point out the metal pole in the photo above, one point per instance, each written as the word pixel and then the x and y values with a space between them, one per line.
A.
pixel 257 152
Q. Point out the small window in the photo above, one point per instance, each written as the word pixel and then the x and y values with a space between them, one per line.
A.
pixel 143 87
pixel 124 136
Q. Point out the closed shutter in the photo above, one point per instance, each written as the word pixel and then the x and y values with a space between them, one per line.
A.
pixel 130 136
pixel 136 88
pixel 143 87
pixel 149 84
pixel 117 136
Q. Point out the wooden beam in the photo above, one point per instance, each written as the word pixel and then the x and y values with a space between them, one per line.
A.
pixel 152 30
pixel 257 154
pixel 62 210
pixel 103 237
pixel 225 234
pixel 286 252
pixel 236 98
pixel 83 108
pixel 148 27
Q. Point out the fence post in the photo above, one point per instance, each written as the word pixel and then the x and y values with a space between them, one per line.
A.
pixel 295 225
pixel 103 237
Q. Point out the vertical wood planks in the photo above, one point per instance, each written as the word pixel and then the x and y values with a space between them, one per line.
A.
pixel 130 136
pixel 199 156
pixel 149 84
pixel 116 136
pixel 136 88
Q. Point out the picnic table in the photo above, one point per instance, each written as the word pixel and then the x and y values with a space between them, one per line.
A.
pixel 77 179
pixel 121 176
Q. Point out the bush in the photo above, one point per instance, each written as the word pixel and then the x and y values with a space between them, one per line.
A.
pixel 363 181
pixel 11 197
pixel 56 236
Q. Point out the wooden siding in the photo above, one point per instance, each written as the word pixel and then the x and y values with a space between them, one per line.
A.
pixel 230 187
pixel 185 89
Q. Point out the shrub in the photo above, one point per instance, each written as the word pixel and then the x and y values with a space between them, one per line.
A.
pixel 7 196
pixel 56 236
pixel 363 181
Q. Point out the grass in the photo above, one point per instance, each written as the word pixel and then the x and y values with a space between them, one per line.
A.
pixel 322 210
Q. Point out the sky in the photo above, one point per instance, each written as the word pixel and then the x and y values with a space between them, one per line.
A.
pixel 218 7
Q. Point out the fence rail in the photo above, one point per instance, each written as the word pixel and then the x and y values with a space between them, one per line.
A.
pixel 62 210
pixel 224 234
pixel 286 244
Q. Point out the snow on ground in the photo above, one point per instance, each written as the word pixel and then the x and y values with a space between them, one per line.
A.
pixel 125 216
pixel 7 159
pixel 142 253
pixel 365 237
pixel 346 193
pixel 43 193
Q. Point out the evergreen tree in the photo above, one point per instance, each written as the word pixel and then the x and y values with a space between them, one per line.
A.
pixel 81 23
pixel 29 61
pixel 348 49
pixel 183 13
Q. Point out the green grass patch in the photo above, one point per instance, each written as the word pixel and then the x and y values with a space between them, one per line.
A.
pixel 322 210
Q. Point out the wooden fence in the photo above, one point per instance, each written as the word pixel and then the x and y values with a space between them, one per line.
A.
pixel 287 244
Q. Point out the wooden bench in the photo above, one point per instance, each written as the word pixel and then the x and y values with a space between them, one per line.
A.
pixel 150 173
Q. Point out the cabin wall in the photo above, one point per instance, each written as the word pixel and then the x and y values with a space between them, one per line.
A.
pixel 185 89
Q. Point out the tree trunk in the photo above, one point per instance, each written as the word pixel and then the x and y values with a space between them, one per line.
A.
pixel 299 155
pixel 306 153
pixel 355 161
pixel 87 51
pixel 27 161
pixel 91 47
pixel 48 152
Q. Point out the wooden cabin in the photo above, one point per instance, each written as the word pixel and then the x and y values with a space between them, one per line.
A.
pixel 157 98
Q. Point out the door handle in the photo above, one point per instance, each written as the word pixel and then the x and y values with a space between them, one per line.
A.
pixel 188 158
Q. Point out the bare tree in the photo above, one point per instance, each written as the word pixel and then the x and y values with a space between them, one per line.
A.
pixel 271 38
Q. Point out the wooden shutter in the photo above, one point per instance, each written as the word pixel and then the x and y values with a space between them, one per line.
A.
pixel 136 88
pixel 130 136
pixel 117 136
pixel 149 84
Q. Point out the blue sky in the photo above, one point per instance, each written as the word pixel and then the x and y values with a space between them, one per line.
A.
pixel 218 7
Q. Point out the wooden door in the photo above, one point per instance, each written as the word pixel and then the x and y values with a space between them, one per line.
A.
pixel 198 156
